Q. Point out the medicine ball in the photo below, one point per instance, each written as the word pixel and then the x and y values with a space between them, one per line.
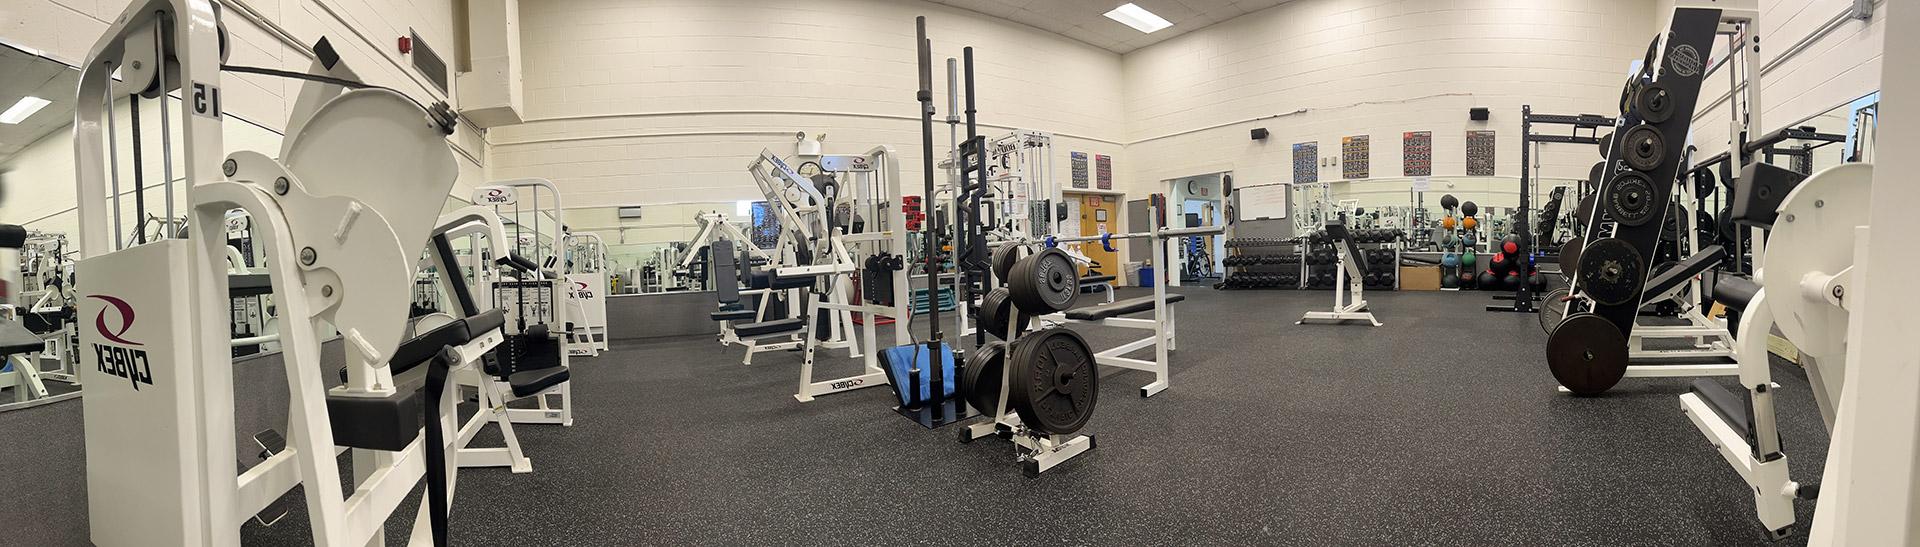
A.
pixel 1487 280
pixel 1467 258
pixel 1449 281
pixel 1499 262
pixel 1450 260
pixel 1513 281
pixel 1448 202
pixel 1447 222
pixel 1469 209
pixel 1469 223
pixel 1511 245
pixel 1467 280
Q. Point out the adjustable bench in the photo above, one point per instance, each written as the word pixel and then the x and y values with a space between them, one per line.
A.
pixel 1710 352
pixel 1112 314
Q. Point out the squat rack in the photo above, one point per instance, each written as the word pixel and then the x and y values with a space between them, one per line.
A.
pixel 1523 296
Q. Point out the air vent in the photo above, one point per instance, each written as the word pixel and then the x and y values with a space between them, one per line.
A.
pixel 429 63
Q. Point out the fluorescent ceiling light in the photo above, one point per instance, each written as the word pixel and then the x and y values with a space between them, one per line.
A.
pixel 20 110
pixel 1138 18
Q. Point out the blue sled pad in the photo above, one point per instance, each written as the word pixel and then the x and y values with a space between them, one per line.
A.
pixel 900 362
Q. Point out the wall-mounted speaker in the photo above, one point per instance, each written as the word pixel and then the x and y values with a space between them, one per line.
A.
pixel 1259 133
pixel 1478 114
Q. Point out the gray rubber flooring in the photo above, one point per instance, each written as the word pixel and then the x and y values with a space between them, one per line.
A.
pixel 1442 427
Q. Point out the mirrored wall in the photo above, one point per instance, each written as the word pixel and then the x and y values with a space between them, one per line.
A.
pixel 662 247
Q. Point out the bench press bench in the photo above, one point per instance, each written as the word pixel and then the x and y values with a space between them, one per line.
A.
pixel 743 325
pixel 1113 315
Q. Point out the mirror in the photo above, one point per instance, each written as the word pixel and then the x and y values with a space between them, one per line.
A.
pixel 656 248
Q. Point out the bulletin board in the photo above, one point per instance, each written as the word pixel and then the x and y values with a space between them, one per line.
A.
pixel 1264 201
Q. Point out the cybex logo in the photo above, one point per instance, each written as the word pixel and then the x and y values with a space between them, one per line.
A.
pixel 122 358
pixel 844 384
pixel 581 292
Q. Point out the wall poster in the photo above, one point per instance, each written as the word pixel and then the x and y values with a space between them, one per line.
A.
pixel 1354 152
pixel 1417 157
pixel 1079 168
pixel 1102 172
pixel 1480 153
pixel 1306 162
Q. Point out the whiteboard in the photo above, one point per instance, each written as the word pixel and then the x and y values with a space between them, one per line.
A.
pixel 1264 201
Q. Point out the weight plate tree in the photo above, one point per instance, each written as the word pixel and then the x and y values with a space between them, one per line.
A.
pixel 1055 383
pixel 1583 351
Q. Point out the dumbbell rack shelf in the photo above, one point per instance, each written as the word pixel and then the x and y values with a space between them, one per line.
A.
pixel 1263 263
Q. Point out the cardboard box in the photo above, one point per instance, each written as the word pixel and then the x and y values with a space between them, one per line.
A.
pixel 1419 278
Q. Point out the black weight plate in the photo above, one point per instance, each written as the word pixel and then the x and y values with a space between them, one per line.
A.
pixel 1553 309
pixel 1570 256
pixel 1587 354
pixel 995 308
pixel 1045 282
pixel 1611 272
pixel 1654 103
pixel 1606 146
pixel 1725 225
pixel 1704 184
pixel 1055 382
pixel 984 371
pixel 1644 148
pixel 1629 198
pixel 1003 260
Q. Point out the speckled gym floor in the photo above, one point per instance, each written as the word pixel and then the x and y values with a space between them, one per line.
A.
pixel 1442 427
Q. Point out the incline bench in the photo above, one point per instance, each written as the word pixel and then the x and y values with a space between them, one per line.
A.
pixel 1111 314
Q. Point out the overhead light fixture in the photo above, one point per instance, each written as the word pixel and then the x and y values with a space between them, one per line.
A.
pixel 1138 18
pixel 20 110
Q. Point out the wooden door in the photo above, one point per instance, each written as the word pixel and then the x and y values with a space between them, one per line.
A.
pixel 1099 213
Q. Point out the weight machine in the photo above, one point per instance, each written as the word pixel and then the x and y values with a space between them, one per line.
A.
pixel 538 321
pixel 832 224
pixel 337 213
pixel 587 287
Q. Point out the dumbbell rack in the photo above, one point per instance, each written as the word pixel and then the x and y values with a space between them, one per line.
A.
pixel 1384 250
pixel 1253 264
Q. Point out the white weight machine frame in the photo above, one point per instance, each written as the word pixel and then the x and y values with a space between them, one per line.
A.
pixel 167 393
pixel 491 394
pixel 549 271
pixel 869 186
pixel 587 288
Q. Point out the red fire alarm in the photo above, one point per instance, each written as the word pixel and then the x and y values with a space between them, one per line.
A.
pixel 406 45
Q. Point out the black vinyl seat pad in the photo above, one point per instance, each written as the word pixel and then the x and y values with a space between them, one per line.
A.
pixel 1119 308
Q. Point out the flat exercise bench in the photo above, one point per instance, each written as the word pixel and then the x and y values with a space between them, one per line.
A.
pixel 1162 327
pixel 1116 309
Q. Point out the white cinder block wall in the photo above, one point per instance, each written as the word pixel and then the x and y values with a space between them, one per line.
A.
pixel 665 101
pixel 1814 58
pixel 364 32
pixel 1318 70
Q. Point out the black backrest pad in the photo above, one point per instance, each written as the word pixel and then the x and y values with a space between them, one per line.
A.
pixel 1338 231
pixel 726 280
pixel 1760 190
pixel 424 346
pixel 1680 273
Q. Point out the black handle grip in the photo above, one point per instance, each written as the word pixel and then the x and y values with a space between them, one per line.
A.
pixel 518 262
pixel 12 236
